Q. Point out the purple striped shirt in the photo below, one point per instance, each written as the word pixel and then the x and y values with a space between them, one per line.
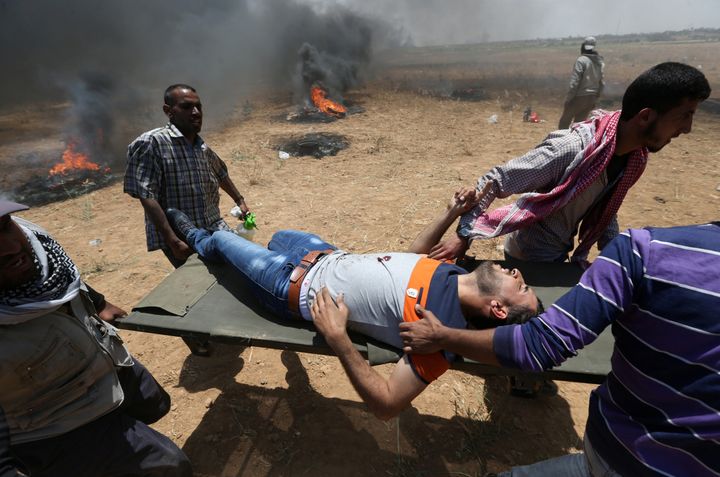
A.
pixel 658 412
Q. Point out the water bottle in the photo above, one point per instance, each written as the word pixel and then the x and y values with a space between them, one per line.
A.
pixel 247 227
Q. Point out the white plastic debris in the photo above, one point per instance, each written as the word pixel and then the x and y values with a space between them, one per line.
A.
pixel 236 212
pixel 282 155
pixel 95 242
pixel 493 119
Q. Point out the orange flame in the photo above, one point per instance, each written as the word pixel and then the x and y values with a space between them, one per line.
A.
pixel 73 160
pixel 327 106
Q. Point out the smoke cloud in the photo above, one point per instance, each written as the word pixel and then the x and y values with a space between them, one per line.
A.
pixel 112 60
pixel 443 22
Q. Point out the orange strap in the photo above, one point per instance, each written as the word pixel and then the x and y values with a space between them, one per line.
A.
pixel 428 366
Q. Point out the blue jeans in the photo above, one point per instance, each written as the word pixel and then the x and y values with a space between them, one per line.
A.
pixel 584 464
pixel 266 270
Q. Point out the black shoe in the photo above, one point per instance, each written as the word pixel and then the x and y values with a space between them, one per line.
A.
pixel 197 346
pixel 531 386
pixel 180 223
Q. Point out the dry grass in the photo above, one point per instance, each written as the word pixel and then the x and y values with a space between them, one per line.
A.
pixel 408 153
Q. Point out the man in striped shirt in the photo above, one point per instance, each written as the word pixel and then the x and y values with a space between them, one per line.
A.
pixel 658 412
pixel 172 167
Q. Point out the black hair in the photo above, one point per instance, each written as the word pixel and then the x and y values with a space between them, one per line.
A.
pixel 518 314
pixel 168 97
pixel 664 87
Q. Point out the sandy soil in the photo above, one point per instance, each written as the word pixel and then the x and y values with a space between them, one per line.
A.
pixel 258 412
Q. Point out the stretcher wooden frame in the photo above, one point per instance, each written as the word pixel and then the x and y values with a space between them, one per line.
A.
pixel 208 301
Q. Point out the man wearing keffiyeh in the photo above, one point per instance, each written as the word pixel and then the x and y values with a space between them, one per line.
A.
pixel 574 182
pixel 72 399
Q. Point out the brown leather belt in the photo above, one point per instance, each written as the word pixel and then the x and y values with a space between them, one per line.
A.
pixel 298 275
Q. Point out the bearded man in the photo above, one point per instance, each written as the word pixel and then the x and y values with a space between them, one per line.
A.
pixel 574 182
pixel 73 401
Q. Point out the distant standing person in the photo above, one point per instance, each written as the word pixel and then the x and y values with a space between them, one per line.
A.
pixel 586 84
pixel 172 167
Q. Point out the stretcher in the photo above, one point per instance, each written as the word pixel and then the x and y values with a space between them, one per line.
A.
pixel 208 301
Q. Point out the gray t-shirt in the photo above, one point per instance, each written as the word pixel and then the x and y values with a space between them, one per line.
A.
pixel 373 286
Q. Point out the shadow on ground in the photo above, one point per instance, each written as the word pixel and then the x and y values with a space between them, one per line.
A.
pixel 258 431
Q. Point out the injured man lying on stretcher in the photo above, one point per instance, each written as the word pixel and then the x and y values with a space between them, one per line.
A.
pixel 298 271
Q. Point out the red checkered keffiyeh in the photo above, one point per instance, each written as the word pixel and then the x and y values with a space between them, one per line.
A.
pixel 534 206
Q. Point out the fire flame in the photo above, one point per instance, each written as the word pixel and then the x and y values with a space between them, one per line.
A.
pixel 327 106
pixel 72 160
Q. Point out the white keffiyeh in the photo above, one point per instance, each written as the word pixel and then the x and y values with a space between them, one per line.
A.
pixel 58 281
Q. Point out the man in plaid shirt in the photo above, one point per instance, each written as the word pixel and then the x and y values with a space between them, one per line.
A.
pixel 574 182
pixel 172 167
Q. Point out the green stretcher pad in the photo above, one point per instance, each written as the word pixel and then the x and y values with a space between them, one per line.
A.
pixel 208 301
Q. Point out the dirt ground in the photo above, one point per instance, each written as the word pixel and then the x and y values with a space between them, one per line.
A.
pixel 249 411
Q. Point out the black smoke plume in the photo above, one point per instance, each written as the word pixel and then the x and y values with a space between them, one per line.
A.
pixel 111 60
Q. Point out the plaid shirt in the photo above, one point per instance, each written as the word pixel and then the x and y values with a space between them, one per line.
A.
pixel 162 165
pixel 540 170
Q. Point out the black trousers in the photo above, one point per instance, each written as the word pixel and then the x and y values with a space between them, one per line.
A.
pixel 118 444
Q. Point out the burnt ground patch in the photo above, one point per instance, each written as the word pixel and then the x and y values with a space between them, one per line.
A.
pixel 316 145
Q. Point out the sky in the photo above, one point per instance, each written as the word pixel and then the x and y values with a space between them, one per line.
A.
pixel 438 22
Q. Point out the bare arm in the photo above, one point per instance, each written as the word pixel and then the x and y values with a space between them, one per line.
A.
pixel 105 310
pixel 428 335
pixel 384 398
pixel 110 312
pixel 455 246
pixel 180 249
pixel 228 186
pixel 461 201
